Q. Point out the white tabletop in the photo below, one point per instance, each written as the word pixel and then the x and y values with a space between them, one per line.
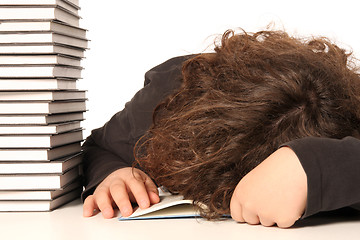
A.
pixel 67 223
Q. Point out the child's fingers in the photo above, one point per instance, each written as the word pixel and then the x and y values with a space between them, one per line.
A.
pixel 139 192
pixel 236 209
pixel 104 202
pixel 121 198
pixel 89 206
pixel 152 190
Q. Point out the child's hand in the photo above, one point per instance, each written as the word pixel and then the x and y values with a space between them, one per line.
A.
pixel 119 189
pixel 274 192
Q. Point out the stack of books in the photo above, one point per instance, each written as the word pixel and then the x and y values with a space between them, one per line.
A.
pixel 41 109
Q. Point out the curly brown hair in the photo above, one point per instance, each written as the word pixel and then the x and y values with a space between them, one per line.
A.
pixel 238 104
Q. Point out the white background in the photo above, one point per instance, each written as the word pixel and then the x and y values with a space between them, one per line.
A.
pixel 128 37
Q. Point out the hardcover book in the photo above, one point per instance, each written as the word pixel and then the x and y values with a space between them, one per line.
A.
pixel 21 84
pixel 42 37
pixel 41 95
pixel 40 141
pixel 42 48
pixel 43 25
pixel 39 71
pixel 39 129
pixel 49 12
pixel 47 59
pixel 39 205
pixel 40 119
pixel 38 181
pixel 38 194
pixel 47 107
pixel 38 154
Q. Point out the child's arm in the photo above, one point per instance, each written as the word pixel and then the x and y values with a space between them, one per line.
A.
pixel 110 147
pixel 276 191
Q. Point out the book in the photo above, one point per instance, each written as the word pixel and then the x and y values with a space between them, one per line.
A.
pixel 41 95
pixel 47 107
pixel 57 166
pixel 42 37
pixel 50 12
pixel 7 84
pixel 39 129
pixel 43 25
pixel 41 119
pixel 40 141
pixel 38 71
pixel 38 181
pixel 39 59
pixel 170 206
pixel 38 194
pixel 38 154
pixel 42 48
pixel 67 4
pixel 39 205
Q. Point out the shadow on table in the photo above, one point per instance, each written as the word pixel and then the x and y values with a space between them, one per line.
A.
pixel 341 215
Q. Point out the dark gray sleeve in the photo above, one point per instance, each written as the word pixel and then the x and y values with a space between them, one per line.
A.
pixel 111 147
pixel 332 168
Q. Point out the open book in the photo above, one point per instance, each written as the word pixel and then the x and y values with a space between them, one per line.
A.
pixel 170 206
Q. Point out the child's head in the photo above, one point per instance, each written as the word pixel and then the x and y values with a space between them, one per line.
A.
pixel 237 105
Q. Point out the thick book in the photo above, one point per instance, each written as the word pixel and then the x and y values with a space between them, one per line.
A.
pixel 170 206
pixel 41 119
pixel 39 129
pixel 69 5
pixel 40 26
pixel 38 194
pixel 39 71
pixel 40 59
pixel 39 205
pixel 41 95
pixel 57 166
pixel 42 48
pixel 38 181
pixel 49 12
pixel 42 37
pixel 47 107
pixel 19 84
pixel 40 141
pixel 39 154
